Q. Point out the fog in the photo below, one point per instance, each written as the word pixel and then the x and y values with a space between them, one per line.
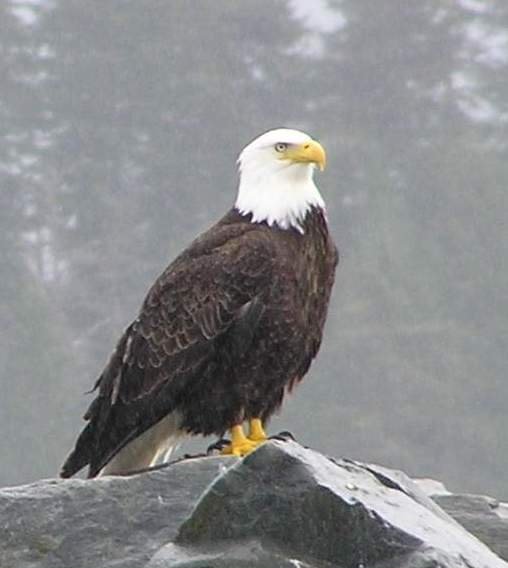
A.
pixel 120 125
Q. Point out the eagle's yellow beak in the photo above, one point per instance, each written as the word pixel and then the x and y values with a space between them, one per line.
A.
pixel 310 152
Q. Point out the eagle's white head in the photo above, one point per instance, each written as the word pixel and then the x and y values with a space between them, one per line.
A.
pixel 276 182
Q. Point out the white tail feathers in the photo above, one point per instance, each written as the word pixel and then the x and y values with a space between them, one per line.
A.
pixel 154 445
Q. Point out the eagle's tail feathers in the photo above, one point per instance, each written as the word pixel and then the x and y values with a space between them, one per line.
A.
pixel 80 455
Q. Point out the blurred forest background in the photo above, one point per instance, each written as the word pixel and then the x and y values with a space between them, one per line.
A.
pixel 120 124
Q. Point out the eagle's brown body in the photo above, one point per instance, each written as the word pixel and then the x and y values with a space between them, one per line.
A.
pixel 228 327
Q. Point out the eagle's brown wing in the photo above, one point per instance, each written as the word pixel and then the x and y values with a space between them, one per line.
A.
pixel 192 304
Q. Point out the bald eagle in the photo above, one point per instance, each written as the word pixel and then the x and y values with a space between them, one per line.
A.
pixel 228 328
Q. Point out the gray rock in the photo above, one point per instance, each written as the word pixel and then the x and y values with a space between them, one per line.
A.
pixel 336 511
pixel 283 506
pixel 241 554
pixel 105 522
pixel 483 516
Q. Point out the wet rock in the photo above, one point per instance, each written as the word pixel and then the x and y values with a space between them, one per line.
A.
pixel 283 506
pixel 483 516
pixel 339 512
pixel 105 522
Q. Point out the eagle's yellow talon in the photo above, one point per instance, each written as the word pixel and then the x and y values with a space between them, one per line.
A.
pixel 256 431
pixel 240 445
pixel 239 450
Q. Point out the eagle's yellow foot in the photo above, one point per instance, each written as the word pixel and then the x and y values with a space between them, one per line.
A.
pixel 256 431
pixel 240 445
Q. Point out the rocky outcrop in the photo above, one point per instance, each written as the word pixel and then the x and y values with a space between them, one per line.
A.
pixel 483 516
pixel 282 506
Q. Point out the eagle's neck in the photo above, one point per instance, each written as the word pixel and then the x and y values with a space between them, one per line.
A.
pixel 280 197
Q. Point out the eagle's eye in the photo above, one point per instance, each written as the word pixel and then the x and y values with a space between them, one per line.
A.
pixel 281 147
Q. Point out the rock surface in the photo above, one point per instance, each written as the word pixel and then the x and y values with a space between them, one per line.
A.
pixel 111 521
pixel 483 516
pixel 282 506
